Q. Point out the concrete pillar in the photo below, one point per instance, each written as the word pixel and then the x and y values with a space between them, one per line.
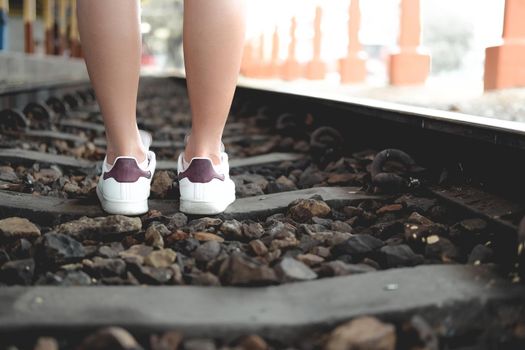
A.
pixel 409 66
pixel 316 69
pixel 74 38
pixel 261 67
pixel 273 66
pixel 248 61
pixel 352 68
pixel 505 64
pixel 29 19
pixel 4 12
pixel 49 24
pixel 291 69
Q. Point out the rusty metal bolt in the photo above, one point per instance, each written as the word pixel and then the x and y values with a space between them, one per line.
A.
pixel 11 119
pixel 391 181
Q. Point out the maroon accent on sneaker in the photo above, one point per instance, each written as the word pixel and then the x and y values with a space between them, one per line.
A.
pixel 200 170
pixel 126 170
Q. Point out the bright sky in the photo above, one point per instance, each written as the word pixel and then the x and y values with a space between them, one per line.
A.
pixel 379 25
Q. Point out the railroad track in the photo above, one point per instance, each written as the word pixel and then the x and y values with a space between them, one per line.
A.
pixel 346 209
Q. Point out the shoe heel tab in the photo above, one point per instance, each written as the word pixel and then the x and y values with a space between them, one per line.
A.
pixel 200 170
pixel 126 169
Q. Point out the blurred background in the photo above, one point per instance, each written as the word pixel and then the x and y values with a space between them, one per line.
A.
pixel 422 52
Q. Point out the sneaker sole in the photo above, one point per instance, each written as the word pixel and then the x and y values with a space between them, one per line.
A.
pixel 204 208
pixel 122 208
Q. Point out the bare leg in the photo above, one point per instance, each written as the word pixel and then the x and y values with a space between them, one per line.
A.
pixel 213 42
pixel 110 34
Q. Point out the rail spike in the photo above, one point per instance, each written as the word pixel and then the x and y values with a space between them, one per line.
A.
pixel 12 119
pixel 389 181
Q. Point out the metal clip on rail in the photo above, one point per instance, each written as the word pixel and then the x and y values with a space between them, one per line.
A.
pixel 326 144
pixel 390 181
pixel 12 120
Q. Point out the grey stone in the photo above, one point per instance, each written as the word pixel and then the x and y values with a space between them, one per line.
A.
pixel 59 248
pixel 400 255
pixel 207 251
pixel 290 269
pixel 17 272
pixel 252 230
pixel 178 220
pixel 232 228
pixel 361 244
pixel 480 254
pixel 101 267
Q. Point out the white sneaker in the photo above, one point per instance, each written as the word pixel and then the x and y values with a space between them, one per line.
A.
pixel 124 187
pixel 205 188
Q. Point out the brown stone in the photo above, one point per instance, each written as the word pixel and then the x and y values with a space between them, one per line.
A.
pixel 207 236
pixel 310 259
pixel 46 343
pixel 111 338
pixel 258 247
pixel 341 179
pixel 241 270
pixel 160 258
pixel 153 237
pixel 389 208
pixel 252 342
pixel 168 341
pixel 363 333
pixel 93 228
pixel 303 210
pixel 16 228
pixel 162 183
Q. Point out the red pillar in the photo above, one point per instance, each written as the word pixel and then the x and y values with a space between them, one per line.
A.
pixel 505 64
pixel 29 19
pixel 352 68
pixel 291 68
pixel 409 66
pixel 49 26
pixel 316 69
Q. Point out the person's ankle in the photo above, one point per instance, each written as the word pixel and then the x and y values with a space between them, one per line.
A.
pixel 193 150
pixel 136 152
